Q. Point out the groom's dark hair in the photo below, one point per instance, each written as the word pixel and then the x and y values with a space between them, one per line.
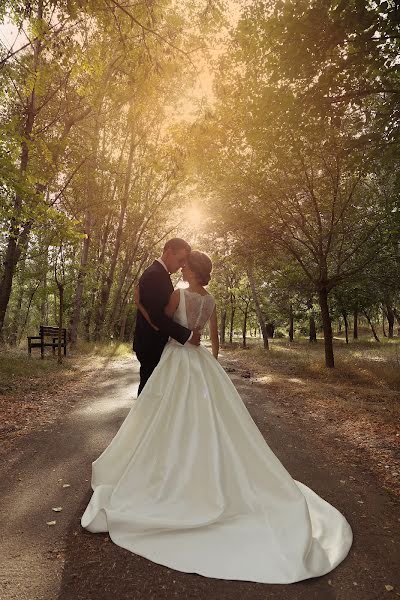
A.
pixel 176 244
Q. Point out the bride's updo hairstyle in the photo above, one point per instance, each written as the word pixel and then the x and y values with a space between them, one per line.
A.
pixel 201 265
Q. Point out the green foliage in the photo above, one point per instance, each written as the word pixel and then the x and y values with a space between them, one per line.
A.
pixel 297 153
pixel 295 160
pixel 90 169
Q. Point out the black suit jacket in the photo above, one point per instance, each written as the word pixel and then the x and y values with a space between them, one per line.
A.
pixel 155 290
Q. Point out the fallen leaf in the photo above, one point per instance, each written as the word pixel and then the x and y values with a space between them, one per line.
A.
pixel 51 522
pixel 65 485
pixel 57 509
pixel 389 588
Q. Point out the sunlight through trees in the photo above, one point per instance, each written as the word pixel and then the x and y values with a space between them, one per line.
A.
pixel 265 132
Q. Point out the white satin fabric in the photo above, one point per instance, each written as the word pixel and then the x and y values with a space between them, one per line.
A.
pixel 189 482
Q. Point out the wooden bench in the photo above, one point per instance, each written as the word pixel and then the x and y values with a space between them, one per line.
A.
pixel 45 332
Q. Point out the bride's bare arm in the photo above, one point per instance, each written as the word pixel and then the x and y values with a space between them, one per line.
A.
pixel 169 310
pixel 173 304
pixel 142 308
pixel 214 333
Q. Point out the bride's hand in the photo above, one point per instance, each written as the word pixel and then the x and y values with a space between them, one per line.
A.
pixel 196 337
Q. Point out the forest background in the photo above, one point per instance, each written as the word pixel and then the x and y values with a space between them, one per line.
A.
pixel 264 132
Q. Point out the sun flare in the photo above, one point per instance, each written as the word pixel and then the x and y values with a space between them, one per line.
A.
pixel 195 217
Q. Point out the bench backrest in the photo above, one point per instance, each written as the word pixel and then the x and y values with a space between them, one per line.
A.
pixel 53 331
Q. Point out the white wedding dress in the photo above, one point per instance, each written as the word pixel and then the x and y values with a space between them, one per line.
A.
pixel 189 482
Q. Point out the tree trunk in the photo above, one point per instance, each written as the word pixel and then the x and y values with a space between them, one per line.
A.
pixel 8 274
pixel 346 326
pixel 131 330
pixel 257 305
pixel 397 316
pixel 115 311
pixel 313 330
pixel 44 308
pixel 23 327
pixel 371 325
pixel 119 298
pixel 124 316
pixel 390 317
pixel 76 311
pixel 87 322
pixel 92 196
pixel 355 323
pixel 222 326
pixel 60 321
pixel 17 316
pixel 105 291
pixel 244 329
pixel 312 326
pixel 291 323
pixel 43 302
pixel 383 323
pixel 232 317
pixel 14 246
pixel 327 327
pixel 55 309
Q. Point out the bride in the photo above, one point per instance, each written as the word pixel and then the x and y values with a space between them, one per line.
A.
pixel 190 483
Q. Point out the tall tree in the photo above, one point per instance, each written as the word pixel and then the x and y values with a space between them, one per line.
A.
pixel 287 159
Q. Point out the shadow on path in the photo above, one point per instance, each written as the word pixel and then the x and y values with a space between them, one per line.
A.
pixel 97 569
pixel 32 476
pixel 65 562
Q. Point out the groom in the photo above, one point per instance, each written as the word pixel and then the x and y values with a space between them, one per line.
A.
pixel 155 289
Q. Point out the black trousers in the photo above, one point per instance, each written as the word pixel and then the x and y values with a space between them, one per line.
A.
pixel 146 369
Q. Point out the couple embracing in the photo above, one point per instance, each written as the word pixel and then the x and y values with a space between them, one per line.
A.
pixel 188 481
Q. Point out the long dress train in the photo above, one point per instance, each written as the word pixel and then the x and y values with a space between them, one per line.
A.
pixel 189 482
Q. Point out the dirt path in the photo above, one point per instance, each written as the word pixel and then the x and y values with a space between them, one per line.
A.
pixel 34 470
pixel 64 562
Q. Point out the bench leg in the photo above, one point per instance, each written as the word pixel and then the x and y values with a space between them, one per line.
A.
pixel 42 348
pixel 54 345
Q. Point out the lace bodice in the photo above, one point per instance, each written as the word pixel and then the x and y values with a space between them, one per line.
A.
pixel 194 310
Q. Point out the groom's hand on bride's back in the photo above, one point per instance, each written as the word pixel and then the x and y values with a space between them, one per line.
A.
pixel 195 339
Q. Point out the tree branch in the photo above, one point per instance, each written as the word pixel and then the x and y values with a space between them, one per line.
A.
pixel 149 30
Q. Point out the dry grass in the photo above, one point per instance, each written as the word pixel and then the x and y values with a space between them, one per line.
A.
pixel 34 392
pixel 106 349
pixel 18 370
pixel 359 399
pixel 363 363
